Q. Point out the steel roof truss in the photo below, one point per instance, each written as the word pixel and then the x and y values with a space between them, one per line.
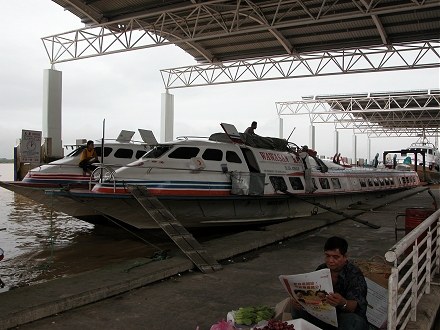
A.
pixel 202 21
pixel 400 57
pixel 379 114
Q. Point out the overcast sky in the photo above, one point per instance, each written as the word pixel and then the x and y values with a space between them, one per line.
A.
pixel 125 89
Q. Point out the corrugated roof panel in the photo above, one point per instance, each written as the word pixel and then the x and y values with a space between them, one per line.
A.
pixel 309 26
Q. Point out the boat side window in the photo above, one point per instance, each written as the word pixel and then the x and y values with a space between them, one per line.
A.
pixel 157 151
pixel 381 182
pixel 212 154
pixel 429 151
pixel 278 183
pixel 370 183
pixel 376 182
pixel 140 153
pixel 387 181
pixel 107 151
pixel 124 153
pixel 250 160
pixel 362 182
pixel 392 181
pixel 324 183
pixel 232 157
pixel 296 183
pixel 184 153
pixel 336 183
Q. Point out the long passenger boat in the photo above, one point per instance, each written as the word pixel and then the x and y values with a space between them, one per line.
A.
pixel 230 179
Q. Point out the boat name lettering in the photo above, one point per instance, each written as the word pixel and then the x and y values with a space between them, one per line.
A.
pixel 274 157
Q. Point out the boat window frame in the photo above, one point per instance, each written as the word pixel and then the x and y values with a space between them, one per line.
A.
pixel 212 151
pixel 294 180
pixel 326 184
pixel 76 151
pixel 157 151
pixel 184 155
pixel 122 153
pixel 338 185
pixel 107 151
pixel 140 153
pixel 273 180
pixel 232 160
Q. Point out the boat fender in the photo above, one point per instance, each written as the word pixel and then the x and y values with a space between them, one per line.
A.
pixel 197 163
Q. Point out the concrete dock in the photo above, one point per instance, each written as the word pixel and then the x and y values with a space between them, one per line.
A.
pixel 172 294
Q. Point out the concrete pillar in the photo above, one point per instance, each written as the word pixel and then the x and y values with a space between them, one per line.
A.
pixel 167 117
pixel 336 138
pixel 312 137
pixel 280 127
pixel 52 95
pixel 354 161
pixel 369 151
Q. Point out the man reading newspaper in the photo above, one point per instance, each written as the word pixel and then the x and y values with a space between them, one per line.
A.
pixel 336 290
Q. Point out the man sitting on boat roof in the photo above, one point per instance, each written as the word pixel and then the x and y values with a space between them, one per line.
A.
pixel 252 128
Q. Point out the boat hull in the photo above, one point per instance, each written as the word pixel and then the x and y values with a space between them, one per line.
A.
pixel 197 212
pixel 44 194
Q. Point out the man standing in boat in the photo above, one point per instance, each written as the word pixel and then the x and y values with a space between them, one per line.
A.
pixel 88 157
pixel 304 155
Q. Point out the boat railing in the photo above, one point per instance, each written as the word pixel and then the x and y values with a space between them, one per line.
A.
pixel 98 143
pixel 102 173
pixel 75 165
pixel 416 259
pixel 187 137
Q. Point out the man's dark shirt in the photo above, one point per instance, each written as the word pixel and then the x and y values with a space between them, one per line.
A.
pixel 352 286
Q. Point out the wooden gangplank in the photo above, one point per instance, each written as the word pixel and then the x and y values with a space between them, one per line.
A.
pixel 174 229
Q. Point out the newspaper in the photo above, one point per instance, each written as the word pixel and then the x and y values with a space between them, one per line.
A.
pixel 310 290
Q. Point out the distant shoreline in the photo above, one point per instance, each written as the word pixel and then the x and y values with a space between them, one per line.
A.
pixel 6 161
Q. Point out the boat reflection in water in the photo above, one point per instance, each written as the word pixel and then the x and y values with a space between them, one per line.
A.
pixel 30 232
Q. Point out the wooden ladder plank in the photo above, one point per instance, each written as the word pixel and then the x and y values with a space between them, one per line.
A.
pixel 175 230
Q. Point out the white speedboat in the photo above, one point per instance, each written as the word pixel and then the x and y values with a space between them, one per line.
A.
pixel 231 179
pixel 432 155
pixel 65 173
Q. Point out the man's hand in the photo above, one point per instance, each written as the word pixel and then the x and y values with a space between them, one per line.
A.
pixel 335 299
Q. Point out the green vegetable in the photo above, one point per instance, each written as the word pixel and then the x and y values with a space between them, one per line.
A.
pixel 251 315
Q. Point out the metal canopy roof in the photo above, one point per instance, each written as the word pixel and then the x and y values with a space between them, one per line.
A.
pixel 277 39
pixel 220 30
pixel 406 113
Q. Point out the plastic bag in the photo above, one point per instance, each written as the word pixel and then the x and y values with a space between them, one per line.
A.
pixel 223 325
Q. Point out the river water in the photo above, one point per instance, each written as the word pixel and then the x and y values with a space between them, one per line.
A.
pixel 40 244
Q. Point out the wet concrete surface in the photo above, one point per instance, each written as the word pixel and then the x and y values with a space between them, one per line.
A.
pixel 172 294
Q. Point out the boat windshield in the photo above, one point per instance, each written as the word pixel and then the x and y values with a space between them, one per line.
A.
pixel 157 151
pixel 76 152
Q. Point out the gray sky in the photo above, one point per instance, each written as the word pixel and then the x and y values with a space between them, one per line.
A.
pixel 125 89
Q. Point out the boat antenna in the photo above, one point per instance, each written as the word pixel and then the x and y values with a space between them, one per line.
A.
pixel 291 133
